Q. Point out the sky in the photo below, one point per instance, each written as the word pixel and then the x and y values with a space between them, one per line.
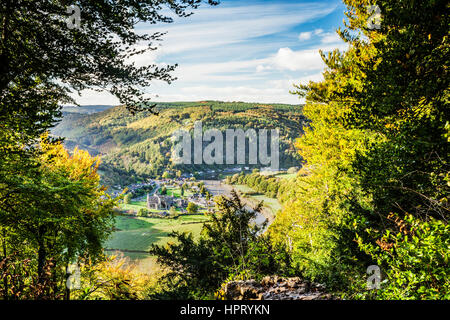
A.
pixel 251 51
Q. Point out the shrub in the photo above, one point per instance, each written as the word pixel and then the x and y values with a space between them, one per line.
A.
pixel 143 212
pixel 127 198
pixel 414 259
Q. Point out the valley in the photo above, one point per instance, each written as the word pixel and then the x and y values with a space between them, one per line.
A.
pixel 134 148
pixel 135 153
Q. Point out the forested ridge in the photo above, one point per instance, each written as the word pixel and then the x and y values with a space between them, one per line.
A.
pixel 137 147
pixel 372 191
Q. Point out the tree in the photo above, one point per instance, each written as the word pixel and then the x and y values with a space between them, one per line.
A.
pixel 229 246
pixel 182 190
pixel 142 212
pixel 97 53
pixel 65 216
pixel 404 99
pixel 43 62
pixel 375 150
pixel 192 208
pixel 127 198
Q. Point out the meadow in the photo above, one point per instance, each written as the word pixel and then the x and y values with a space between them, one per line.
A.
pixel 271 203
pixel 135 235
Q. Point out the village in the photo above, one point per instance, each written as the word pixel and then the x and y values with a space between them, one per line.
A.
pixel 166 197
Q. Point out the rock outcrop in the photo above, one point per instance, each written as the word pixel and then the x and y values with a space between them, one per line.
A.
pixel 275 288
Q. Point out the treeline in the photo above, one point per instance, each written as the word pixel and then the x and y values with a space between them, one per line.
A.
pixel 262 184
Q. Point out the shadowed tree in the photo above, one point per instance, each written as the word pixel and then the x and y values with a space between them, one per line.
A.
pixel 45 58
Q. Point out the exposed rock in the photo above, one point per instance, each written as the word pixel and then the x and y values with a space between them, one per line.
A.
pixel 275 288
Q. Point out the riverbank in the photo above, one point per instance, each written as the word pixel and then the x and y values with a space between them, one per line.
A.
pixel 217 187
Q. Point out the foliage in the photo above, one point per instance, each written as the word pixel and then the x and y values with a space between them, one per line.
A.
pixel 95 54
pixel 415 259
pixel 116 278
pixel 229 244
pixel 65 215
pixel 142 212
pixel 376 145
pixel 266 185
pixel 127 198
pixel 52 207
pixel 141 190
pixel 192 208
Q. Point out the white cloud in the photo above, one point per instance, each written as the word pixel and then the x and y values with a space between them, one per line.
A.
pixel 308 34
pixel 262 68
pixel 233 93
pixel 287 84
pixel 221 26
pixel 305 35
pixel 298 60
pixel 233 53
pixel 90 97
pixel 242 70
pixel 331 37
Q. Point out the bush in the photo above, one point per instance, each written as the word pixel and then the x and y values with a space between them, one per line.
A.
pixel 229 245
pixel 127 198
pixel 414 260
pixel 292 170
pixel 143 212
pixel 192 208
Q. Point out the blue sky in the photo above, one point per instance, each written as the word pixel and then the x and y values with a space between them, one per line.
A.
pixel 249 51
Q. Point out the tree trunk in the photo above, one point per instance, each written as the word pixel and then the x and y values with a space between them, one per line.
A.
pixel 41 263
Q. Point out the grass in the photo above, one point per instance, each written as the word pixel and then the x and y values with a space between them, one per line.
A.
pixel 139 233
pixel 176 192
pixel 271 203
pixel 134 206
pixel 243 188
pixel 286 175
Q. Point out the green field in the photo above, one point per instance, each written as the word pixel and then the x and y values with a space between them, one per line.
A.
pixel 271 203
pixel 138 234
pixel 286 175
pixel 243 188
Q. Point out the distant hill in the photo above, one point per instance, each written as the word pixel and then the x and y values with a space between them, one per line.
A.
pixel 88 109
pixel 136 147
